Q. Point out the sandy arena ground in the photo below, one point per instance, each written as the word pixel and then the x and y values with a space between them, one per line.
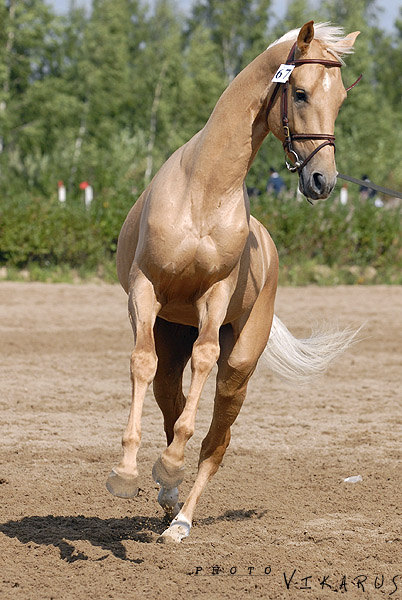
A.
pixel 277 521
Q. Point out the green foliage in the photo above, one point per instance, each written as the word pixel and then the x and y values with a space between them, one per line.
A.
pixel 107 96
pixel 333 238
pixel 202 80
pixel 325 244
pixel 238 28
pixel 48 233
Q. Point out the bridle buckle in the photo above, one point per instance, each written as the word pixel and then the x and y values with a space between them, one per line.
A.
pixel 295 167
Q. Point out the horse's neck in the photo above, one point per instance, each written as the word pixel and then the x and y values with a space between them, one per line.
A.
pixel 225 149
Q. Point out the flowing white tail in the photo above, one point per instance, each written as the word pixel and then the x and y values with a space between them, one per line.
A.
pixel 298 361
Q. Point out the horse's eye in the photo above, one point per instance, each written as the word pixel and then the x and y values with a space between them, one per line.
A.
pixel 301 96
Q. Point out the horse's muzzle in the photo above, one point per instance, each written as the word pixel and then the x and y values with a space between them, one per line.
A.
pixel 316 185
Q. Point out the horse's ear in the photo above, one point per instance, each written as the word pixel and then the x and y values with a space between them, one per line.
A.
pixel 305 37
pixel 346 44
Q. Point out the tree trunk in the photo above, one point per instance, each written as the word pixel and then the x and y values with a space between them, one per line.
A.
pixel 153 123
pixel 7 76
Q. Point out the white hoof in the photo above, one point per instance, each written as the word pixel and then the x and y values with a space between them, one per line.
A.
pixel 178 530
pixel 168 499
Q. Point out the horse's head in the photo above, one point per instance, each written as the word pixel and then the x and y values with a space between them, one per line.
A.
pixel 304 118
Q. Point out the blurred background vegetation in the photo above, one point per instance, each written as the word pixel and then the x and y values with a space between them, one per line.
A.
pixel 106 96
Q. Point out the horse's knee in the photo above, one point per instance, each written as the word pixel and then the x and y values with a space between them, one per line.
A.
pixel 215 444
pixel 242 366
pixel 204 356
pixel 183 430
pixel 143 365
pixel 131 440
pixel 232 386
pixel 213 450
pixel 235 377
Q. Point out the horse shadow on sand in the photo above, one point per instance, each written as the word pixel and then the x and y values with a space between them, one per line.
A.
pixel 108 534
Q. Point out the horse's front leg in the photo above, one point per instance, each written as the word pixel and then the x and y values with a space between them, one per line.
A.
pixel 241 346
pixel 168 470
pixel 143 309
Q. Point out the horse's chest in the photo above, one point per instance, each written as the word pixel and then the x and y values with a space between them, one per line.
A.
pixel 184 263
pixel 185 259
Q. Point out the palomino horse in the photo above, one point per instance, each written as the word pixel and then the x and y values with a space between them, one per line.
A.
pixel 201 273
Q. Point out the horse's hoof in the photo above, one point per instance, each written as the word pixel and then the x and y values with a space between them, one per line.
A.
pixel 168 499
pixel 122 486
pixel 178 530
pixel 168 479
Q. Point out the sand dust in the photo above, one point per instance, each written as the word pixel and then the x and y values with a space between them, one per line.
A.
pixel 277 521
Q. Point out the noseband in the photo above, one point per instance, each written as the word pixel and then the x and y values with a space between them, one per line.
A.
pixel 329 139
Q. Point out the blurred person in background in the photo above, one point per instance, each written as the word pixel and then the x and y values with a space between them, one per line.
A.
pixel 275 184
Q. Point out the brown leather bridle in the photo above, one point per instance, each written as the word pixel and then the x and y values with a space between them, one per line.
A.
pixel 329 139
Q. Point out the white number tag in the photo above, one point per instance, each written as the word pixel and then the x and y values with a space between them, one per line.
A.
pixel 283 73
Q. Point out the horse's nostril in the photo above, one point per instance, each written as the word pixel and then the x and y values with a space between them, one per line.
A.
pixel 318 182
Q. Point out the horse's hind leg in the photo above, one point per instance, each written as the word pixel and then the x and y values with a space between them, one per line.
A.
pixel 143 308
pixel 173 346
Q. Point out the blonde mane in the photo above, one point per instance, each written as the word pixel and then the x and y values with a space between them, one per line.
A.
pixel 328 35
